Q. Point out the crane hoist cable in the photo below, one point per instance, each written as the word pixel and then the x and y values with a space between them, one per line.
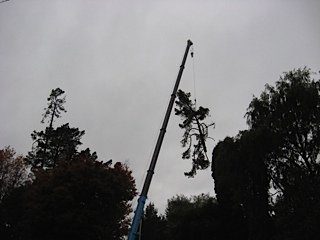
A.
pixel 193 76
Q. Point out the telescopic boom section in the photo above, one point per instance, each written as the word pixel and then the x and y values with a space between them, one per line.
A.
pixel 142 199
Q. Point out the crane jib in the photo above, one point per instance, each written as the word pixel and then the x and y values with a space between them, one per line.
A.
pixel 143 197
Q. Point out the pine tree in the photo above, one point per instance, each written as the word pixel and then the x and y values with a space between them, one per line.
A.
pixel 54 145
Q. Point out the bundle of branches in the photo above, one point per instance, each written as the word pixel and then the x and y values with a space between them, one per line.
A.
pixel 196 130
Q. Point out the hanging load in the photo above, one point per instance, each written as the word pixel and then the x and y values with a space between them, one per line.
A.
pixel 196 130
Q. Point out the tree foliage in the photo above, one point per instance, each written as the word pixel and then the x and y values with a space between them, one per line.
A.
pixel 280 149
pixel 55 107
pixel 82 199
pixel 242 182
pixel 54 144
pixel 13 171
pixel 193 218
pixel 153 224
pixel 196 130
pixel 291 112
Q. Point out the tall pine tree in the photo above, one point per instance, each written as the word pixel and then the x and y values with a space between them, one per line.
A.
pixel 54 145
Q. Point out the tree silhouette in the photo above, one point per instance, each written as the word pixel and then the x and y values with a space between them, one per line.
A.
pixel 55 106
pixel 54 144
pixel 281 148
pixel 291 112
pixel 153 224
pixel 198 217
pixel 79 199
pixel 13 171
pixel 195 130
pixel 242 182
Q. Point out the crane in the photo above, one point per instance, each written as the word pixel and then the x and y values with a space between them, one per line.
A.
pixel 143 196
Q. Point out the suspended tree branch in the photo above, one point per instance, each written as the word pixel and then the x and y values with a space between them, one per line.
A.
pixel 195 130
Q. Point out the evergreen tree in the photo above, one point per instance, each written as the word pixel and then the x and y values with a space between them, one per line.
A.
pixel 55 106
pixel 54 145
pixel 242 183
pixel 153 225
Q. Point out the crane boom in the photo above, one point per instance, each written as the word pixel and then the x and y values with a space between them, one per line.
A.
pixel 143 196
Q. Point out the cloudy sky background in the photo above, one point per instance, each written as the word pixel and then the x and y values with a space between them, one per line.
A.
pixel 118 60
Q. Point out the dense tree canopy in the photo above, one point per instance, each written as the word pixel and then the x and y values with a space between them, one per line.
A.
pixel 53 146
pixel 13 171
pixel 83 199
pixel 193 218
pixel 291 111
pixel 14 175
pixel 242 182
pixel 280 149
pixel 153 224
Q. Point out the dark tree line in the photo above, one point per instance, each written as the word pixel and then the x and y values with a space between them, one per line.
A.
pixel 60 192
pixel 187 218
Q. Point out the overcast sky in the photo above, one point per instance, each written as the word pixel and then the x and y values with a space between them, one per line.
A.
pixel 118 60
